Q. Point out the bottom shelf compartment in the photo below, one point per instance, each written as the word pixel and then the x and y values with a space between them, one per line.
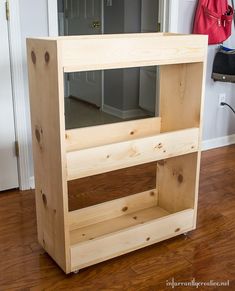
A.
pixel 94 231
pixel 98 242
pixel 119 226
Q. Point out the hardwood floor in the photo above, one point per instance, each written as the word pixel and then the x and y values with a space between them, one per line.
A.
pixel 207 253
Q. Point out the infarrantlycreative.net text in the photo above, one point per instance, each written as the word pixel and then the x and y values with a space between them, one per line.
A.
pixel 193 283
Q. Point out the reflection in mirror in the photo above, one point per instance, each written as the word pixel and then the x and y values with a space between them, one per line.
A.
pixel 126 94
pixel 113 95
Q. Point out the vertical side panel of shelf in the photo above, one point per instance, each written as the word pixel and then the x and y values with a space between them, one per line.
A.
pixel 181 106
pixel 180 96
pixel 176 182
pixel 48 132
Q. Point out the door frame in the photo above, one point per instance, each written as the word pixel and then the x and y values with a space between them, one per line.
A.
pixel 171 16
pixel 53 31
pixel 20 102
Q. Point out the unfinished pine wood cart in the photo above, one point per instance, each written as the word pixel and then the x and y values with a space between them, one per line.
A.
pixel 77 239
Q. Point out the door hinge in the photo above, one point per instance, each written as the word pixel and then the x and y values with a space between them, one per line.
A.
pixel 7 9
pixel 17 150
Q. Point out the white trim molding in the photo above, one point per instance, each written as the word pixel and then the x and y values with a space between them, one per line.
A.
pixel 218 142
pixel 32 182
pixel 52 12
pixel 173 15
pixel 19 96
pixel 123 114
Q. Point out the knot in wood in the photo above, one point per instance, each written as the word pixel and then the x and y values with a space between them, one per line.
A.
pixel 124 209
pixel 180 178
pixel 47 57
pixel 33 57
pixel 44 199
pixel 38 135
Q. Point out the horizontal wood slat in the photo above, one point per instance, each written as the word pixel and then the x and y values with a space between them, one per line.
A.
pixel 130 50
pixel 114 244
pixel 116 156
pixel 94 136
pixel 115 208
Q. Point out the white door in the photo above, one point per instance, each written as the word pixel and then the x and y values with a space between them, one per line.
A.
pixel 84 17
pixel 8 160
pixel 148 75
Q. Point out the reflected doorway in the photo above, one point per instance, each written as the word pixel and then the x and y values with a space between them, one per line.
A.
pixel 111 95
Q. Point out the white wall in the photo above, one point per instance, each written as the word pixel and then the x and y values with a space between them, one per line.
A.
pixel 33 20
pixel 218 122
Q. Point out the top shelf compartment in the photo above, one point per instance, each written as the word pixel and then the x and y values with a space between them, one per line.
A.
pixel 128 50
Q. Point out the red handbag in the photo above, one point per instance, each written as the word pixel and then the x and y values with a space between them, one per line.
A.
pixel 214 18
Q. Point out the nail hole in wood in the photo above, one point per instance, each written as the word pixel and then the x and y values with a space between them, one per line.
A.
pixel 124 209
pixel 152 193
pixel 180 178
pixel 135 217
pixel 148 238
pixel 132 132
pixel 83 234
pixel 33 57
pixel 38 135
pixel 177 229
pixel 108 156
pixel 44 243
pixel 47 57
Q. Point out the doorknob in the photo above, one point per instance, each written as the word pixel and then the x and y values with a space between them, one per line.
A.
pixel 96 24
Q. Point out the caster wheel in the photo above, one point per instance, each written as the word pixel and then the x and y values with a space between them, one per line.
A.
pixel 186 235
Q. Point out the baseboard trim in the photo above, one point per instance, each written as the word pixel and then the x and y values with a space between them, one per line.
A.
pixel 218 142
pixel 123 114
pixel 32 182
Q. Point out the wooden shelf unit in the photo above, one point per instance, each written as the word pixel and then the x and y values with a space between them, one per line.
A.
pixel 77 239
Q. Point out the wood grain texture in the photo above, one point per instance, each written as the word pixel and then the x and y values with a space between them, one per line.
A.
pixel 154 226
pixel 176 182
pixel 48 130
pixel 181 95
pixel 130 50
pixel 115 208
pixel 94 136
pixel 207 254
pixel 121 155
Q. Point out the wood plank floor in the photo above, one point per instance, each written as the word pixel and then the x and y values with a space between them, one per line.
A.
pixel 208 253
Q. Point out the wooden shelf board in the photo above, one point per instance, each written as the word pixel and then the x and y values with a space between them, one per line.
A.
pixel 129 50
pixel 111 240
pixel 116 224
pixel 94 136
pixel 106 158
